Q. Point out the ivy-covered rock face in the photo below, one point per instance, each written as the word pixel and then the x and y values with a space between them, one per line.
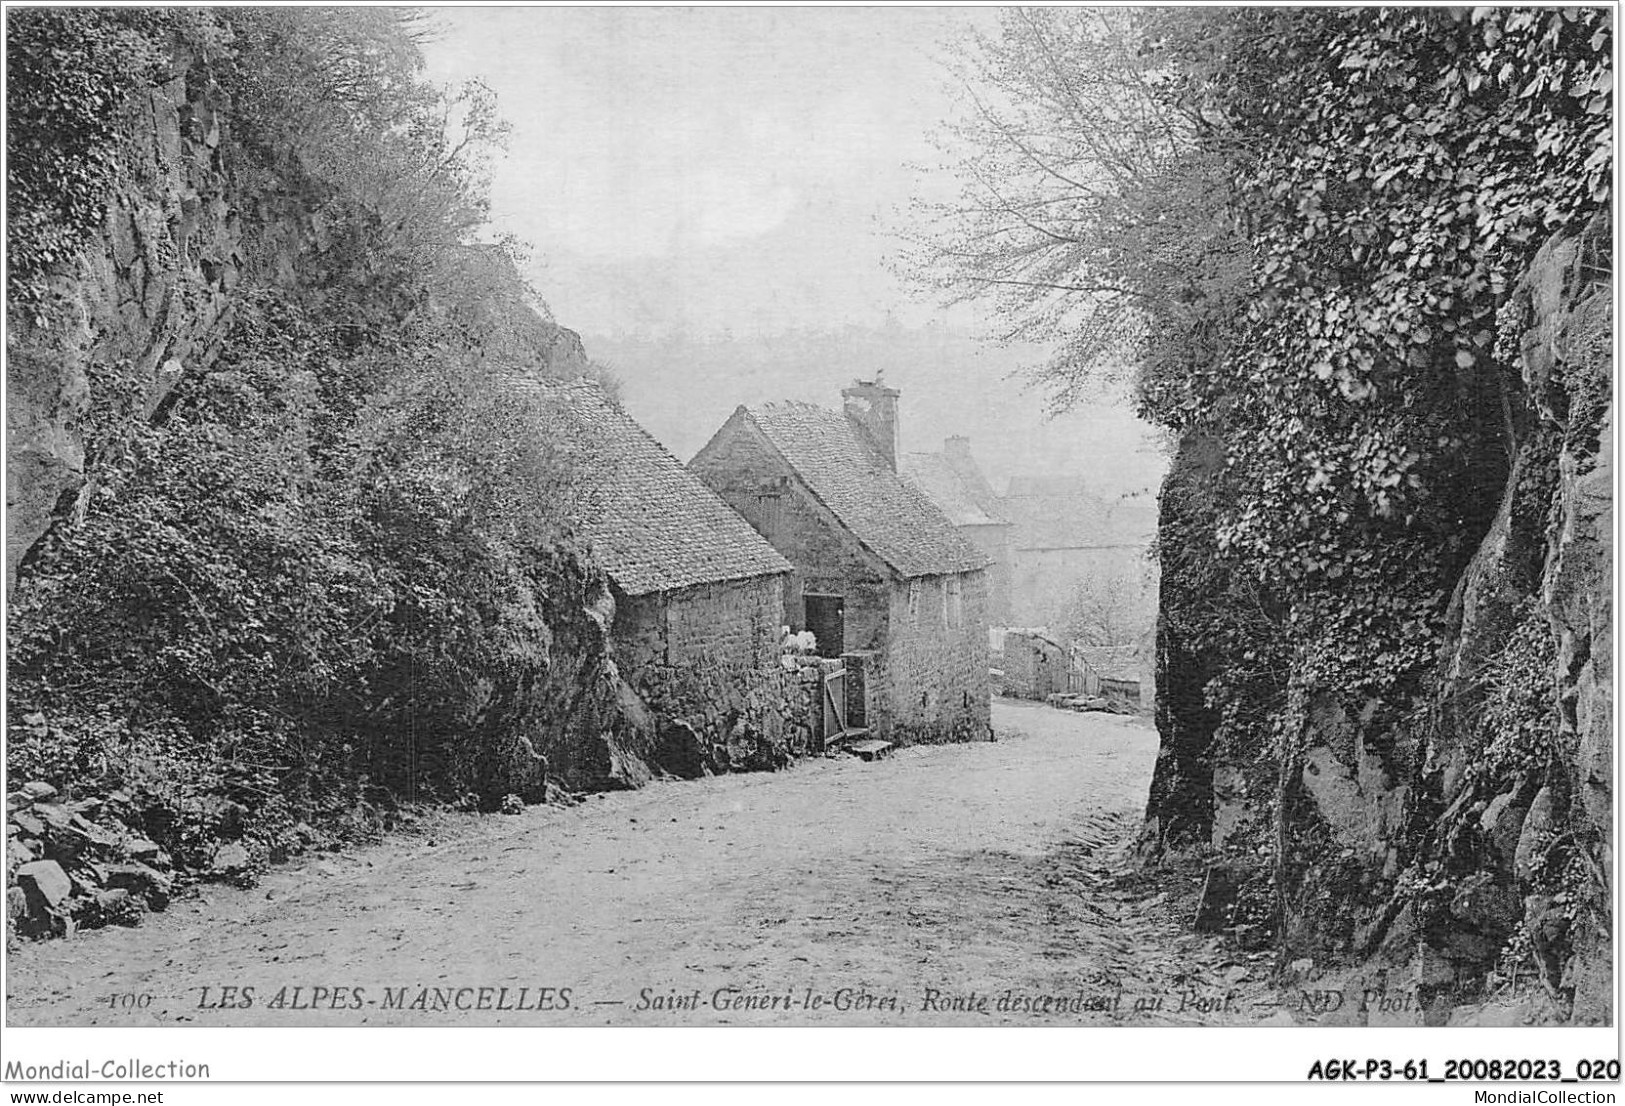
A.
pixel 1313 232
pixel 1404 167
pixel 1396 451
pixel 70 78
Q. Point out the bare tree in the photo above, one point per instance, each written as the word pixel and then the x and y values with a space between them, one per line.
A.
pixel 1092 209
pixel 1111 607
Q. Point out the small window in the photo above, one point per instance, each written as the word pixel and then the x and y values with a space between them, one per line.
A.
pixel 954 602
pixel 914 601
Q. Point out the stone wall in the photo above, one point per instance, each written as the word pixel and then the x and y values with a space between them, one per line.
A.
pixel 934 671
pixel 1035 668
pixel 995 542
pixel 734 623
pixel 706 662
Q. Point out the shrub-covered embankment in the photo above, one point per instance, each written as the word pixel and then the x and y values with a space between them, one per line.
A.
pixel 281 559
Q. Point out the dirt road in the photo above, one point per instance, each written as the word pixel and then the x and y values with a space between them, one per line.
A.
pixel 948 885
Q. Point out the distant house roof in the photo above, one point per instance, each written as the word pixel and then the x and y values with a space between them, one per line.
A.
pixel 654 526
pixel 936 476
pixel 841 466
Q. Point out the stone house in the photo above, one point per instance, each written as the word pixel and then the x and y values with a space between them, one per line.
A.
pixel 880 575
pixel 1035 666
pixel 699 598
pixel 1064 535
pixel 956 484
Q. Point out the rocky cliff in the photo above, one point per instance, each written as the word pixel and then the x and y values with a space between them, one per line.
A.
pixel 132 312
pixel 1456 846
pixel 190 227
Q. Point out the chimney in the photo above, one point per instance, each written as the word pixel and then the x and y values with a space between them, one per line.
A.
pixel 874 407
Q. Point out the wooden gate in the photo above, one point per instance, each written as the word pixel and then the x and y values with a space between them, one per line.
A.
pixel 834 707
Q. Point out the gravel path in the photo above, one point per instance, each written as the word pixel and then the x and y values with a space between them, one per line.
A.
pixel 947 885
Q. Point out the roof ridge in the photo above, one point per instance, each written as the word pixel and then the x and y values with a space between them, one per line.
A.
pixel 876 504
pixel 819 497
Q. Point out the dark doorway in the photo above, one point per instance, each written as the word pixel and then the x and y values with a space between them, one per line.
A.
pixel 826 618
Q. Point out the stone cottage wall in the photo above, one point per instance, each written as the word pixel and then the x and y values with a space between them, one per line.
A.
pixel 706 662
pixel 995 542
pixel 734 623
pixel 935 676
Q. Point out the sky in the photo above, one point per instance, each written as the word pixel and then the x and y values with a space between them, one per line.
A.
pixel 708 168
pixel 734 176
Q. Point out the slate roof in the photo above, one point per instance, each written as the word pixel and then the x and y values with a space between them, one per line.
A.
pixel 654 526
pixel 936 477
pixel 840 465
